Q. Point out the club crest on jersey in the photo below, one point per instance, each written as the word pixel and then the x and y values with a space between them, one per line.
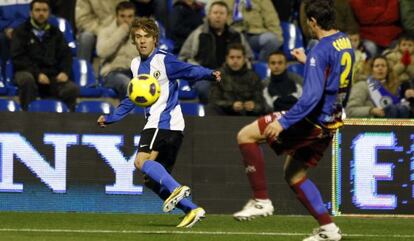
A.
pixel 312 62
pixel 156 74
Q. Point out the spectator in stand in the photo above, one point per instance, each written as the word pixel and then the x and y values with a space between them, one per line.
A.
pixel 90 17
pixel 407 16
pixel 407 94
pixel 42 59
pixel 12 14
pixel 379 23
pixel 186 15
pixel 401 58
pixel 207 44
pixel 287 9
pixel 361 67
pixel 64 9
pixel 345 20
pixel 257 19
pixel 157 9
pixel 282 89
pixel 378 95
pixel 240 89
pixel 116 50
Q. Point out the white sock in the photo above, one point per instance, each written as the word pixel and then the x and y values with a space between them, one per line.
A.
pixel 330 227
pixel 263 200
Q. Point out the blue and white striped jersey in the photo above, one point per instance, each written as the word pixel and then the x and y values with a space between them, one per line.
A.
pixel 166 112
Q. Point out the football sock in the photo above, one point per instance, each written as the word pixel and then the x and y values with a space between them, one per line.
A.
pixel 255 169
pixel 309 195
pixel 158 173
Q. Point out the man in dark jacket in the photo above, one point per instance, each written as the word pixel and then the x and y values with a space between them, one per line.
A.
pixel 42 60
pixel 240 90
pixel 207 44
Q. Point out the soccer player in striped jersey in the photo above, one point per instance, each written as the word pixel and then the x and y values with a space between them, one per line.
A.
pixel 305 131
pixel 163 132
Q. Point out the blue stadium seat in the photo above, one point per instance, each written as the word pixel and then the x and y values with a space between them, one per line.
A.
pixel 261 69
pixel 95 106
pixel 297 68
pixel 48 105
pixel 166 44
pixel 9 105
pixel 193 109
pixel 66 28
pixel 292 38
pixel 3 87
pixel 84 77
pixel 9 76
pixel 185 92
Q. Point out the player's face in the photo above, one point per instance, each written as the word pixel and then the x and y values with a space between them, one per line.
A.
pixel 407 45
pixel 144 42
pixel 380 69
pixel 125 16
pixel 235 59
pixel 40 13
pixel 217 17
pixel 277 64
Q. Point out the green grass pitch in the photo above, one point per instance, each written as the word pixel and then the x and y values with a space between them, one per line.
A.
pixel 113 227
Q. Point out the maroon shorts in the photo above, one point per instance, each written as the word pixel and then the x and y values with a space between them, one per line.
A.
pixel 304 140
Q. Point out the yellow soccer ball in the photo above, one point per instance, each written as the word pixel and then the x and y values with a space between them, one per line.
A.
pixel 144 90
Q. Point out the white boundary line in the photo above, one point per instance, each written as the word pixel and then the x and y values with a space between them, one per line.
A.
pixel 185 232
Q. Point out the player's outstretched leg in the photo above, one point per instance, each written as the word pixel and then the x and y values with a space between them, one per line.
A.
pixel 159 174
pixel 248 138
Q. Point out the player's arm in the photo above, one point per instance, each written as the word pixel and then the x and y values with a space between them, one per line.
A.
pixel 312 91
pixel 120 112
pixel 177 69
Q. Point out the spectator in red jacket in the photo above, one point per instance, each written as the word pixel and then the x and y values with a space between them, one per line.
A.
pixel 378 22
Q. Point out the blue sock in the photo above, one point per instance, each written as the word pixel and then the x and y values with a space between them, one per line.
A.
pixel 158 173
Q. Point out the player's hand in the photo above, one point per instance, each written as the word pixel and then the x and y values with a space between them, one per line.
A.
pixel 217 75
pixel 249 105
pixel 9 32
pixel 377 112
pixel 101 121
pixel 273 130
pixel 299 54
pixel 43 79
pixel 62 77
pixel 409 93
pixel 238 106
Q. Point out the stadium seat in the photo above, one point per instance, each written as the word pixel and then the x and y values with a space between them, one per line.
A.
pixel 66 28
pixel 297 68
pixel 193 109
pixel 261 69
pixel 3 87
pixel 94 106
pixel 185 92
pixel 9 75
pixel 48 105
pixel 9 105
pixel 292 38
pixel 84 77
pixel 166 44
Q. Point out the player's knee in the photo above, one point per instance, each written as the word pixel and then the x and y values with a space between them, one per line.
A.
pixel 243 136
